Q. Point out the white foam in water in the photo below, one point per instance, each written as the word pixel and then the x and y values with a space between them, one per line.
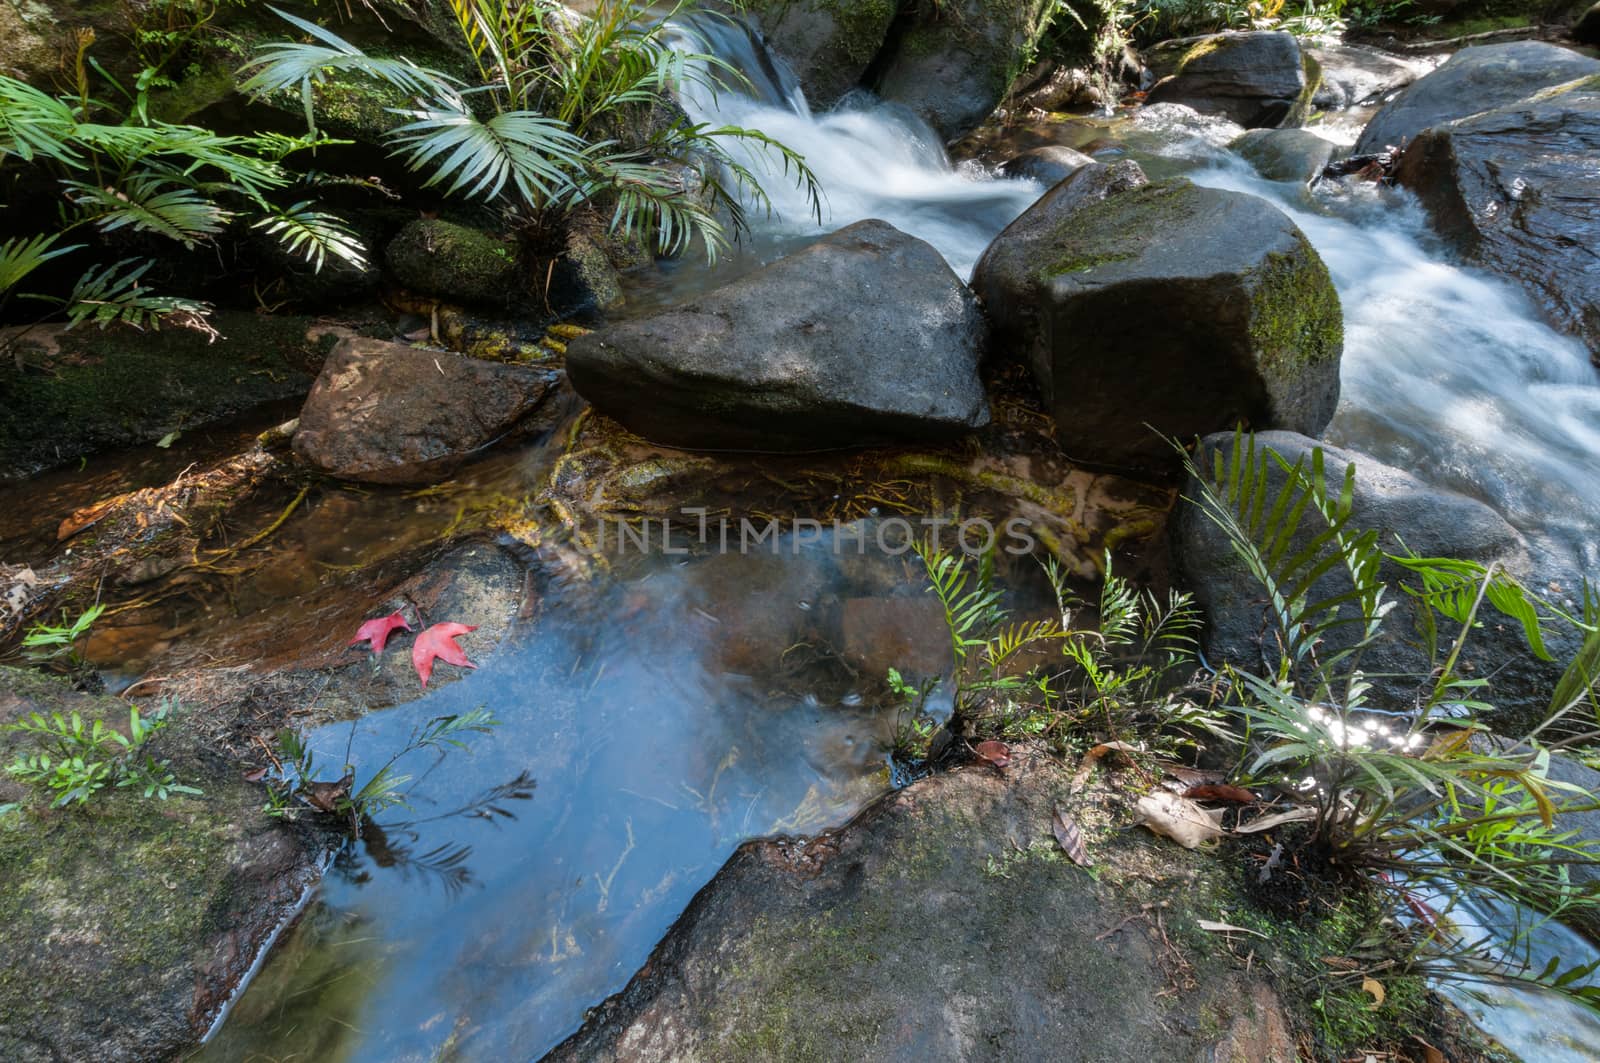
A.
pixel 873 159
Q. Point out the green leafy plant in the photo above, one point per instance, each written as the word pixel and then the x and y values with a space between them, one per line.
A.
pixel 565 111
pixel 177 182
pixel 49 642
pixel 75 759
pixel 297 787
pixel 1399 801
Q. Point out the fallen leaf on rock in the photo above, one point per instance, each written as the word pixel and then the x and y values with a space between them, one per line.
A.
pixel 1069 837
pixel 1180 819
pixel 377 631
pixel 996 753
pixel 1189 776
pixel 1091 758
pixel 1373 988
pixel 1430 1054
pixel 255 776
pixel 1298 814
pixel 439 641
pixel 1225 928
pixel 1220 791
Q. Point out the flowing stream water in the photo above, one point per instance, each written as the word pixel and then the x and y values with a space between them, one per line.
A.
pixel 662 718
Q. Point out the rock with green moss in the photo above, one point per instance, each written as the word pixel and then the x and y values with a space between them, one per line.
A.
pixel 87 390
pixel 126 924
pixel 1165 311
pixel 955 61
pixel 1259 79
pixel 829 43
pixel 944 924
pixel 449 261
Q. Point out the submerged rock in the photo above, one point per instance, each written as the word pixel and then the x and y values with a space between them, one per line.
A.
pixel 126 924
pixel 387 413
pixel 1517 189
pixel 829 44
pixel 1048 165
pixel 1163 311
pixel 1401 508
pixel 1471 81
pixel 864 337
pixel 1258 79
pixel 955 61
pixel 1284 154
pixel 889 941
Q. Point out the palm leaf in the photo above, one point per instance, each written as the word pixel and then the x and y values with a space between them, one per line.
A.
pixel 478 157
pixel 35 125
pixel 113 294
pixel 20 256
pixel 150 203
pixel 314 235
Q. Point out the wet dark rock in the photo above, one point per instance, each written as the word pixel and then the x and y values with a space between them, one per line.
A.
pixel 954 62
pixel 1430 521
pixel 125 925
pixel 1284 154
pixel 829 43
pixel 1259 79
pixel 1517 190
pixel 1587 29
pixel 387 413
pixel 864 337
pixel 1048 165
pixel 450 261
pixel 1354 75
pixel 1471 81
pixel 89 390
pixel 1161 311
pixel 1062 88
pixel 887 941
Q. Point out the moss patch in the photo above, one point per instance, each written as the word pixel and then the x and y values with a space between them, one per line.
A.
pixel 1295 317
pixel 450 261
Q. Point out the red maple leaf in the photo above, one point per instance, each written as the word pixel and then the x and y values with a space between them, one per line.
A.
pixel 439 641
pixel 377 631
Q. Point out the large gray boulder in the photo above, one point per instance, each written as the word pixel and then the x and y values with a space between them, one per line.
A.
pixel 864 337
pixel 386 413
pixel 1470 82
pixel 1517 189
pixel 1049 165
pixel 1160 311
pixel 829 44
pixel 955 61
pixel 1354 75
pixel 1400 508
pixel 1259 79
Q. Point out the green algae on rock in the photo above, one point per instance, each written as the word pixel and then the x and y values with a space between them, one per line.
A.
pixel 126 924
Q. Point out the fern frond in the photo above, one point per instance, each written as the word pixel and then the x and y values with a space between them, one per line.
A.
pixel 113 294
pixel 20 256
pixel 150 203
pixel 313 235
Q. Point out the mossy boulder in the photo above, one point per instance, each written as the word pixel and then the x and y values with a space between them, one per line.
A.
pixel 1164 311
pixel 954 62
pixel 440 258
pixel 829 43
pixel 1259 79
pixel 88 390
pixel 126 924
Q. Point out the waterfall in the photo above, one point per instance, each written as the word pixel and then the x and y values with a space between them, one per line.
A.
pixel 873 159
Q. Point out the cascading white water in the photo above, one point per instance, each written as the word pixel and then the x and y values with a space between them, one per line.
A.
pixel 873 159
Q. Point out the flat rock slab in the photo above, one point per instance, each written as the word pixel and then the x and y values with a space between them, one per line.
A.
pixel 864 337
pixel 889 941
pixel 391 414
pixel 126 924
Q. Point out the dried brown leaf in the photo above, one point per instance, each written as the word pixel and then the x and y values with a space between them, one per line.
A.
pixel 1225 928
pixel 1220 791
pixel 1086 766
pixel 1298 814
pixel 996 753
pixel 1180 819
pixel 1070 838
